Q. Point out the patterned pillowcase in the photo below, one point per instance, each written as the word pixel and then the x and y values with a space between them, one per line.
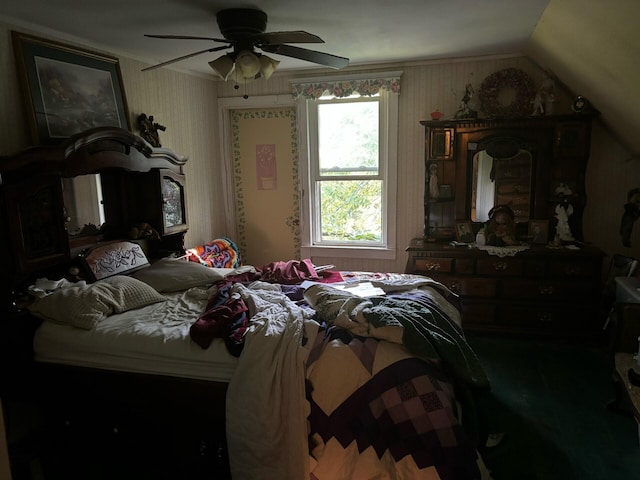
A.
pixel 85 306
pixel 115 258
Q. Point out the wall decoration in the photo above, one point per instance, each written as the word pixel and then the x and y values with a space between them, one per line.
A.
pixel 507 93
pixel 266 168
pixel 67 89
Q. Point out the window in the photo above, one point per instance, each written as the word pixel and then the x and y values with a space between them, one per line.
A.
pixel 348 166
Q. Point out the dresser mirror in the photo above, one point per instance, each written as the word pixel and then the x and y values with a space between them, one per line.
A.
pixel 519 162
pixel 501 181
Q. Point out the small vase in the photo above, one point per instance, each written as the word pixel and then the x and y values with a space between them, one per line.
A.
pixel 436 115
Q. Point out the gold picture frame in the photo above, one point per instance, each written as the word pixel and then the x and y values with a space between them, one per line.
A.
pixel 68 90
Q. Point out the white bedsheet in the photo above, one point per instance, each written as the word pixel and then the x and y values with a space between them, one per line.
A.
pixel 266 405
pixel 135 341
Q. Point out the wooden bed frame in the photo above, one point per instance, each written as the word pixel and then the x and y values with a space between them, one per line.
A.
pixel 91 414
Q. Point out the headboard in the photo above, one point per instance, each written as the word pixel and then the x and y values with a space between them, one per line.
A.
pixel 140 185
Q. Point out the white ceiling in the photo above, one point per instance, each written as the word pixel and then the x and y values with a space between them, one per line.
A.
pixel 367 32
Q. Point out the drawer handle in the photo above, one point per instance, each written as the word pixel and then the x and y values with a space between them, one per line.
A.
pixel 571 271
pixel 545 317
pixel 455 286
pixel 432 266
pixel 500 266
pixel 545 289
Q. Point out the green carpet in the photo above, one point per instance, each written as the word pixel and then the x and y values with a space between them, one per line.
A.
pixel 551 401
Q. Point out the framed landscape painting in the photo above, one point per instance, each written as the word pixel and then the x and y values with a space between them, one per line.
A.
pixel 67 89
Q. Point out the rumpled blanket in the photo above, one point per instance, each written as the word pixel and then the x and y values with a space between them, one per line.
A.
pixel 414 321
pixel 290 272
pixel 266 410
pixel 219 253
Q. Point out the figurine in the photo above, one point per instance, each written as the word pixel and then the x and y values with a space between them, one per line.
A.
pixel 563 231
pixel 545 97
pixel 149 129
pixel 434 189
pixel 464 111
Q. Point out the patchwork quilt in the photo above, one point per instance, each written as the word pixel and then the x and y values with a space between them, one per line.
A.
pixel 313 399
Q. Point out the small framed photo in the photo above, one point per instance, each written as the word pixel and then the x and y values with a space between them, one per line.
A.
pixel 68 89
pixel 539 231
pixel 464 231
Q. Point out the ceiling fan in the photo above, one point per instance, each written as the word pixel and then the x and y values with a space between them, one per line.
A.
pixel 244 30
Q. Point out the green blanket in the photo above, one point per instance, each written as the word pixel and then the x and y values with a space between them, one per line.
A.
pixel 425 331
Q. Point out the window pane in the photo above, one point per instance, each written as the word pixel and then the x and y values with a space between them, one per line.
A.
pixel 351 210
pixel 348 138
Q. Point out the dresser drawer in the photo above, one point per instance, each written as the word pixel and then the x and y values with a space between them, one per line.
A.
pixel 433 265
pixel 546 289
pixel 468 286
pixel 572 268
pixel 477 313
pixel 500 266
pixel 547 317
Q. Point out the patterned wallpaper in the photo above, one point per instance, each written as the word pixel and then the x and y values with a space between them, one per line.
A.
pixel 187 105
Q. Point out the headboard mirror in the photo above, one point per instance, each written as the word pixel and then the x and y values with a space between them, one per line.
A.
pixel 54 199
pixel 84 209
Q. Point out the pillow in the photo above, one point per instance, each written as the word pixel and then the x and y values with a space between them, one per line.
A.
pixel 115 258
pixel 85 306
pixel 171 275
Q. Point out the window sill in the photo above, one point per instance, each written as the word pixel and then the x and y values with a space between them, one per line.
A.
pixel 372 253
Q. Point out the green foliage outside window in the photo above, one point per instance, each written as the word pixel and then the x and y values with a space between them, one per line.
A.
pixel 351 210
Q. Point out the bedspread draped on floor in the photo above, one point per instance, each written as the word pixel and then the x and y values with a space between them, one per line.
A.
pixel 316 401
pixel 266 407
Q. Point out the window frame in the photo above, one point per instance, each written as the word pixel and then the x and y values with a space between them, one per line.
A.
pixel 309 170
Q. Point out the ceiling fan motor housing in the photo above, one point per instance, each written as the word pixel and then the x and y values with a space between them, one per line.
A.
pixel 236 24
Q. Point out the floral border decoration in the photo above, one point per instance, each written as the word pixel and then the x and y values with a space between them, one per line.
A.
pixel 495 83
pixel 292 220
pixel 345 88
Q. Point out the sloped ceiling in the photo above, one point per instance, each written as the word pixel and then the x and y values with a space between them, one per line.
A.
pixel 593 47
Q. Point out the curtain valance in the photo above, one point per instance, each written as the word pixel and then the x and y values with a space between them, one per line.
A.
pixel 365 85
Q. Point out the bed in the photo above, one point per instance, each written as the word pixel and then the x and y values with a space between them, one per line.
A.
pixel 322 380
pixel 184 369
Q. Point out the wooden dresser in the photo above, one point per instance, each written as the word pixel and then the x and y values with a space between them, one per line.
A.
pixel 538 292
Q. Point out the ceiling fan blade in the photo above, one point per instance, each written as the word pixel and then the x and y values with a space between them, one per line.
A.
pixel 321 58
pixel 187 37
pixel 184 57
pixel 298 36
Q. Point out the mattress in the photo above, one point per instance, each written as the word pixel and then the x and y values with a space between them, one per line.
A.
pixel 151 340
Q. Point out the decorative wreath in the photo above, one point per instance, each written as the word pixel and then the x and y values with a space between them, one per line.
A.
pixel 495 83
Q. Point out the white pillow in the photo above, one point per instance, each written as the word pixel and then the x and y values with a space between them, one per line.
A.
pixel 171 275
pixel 85 306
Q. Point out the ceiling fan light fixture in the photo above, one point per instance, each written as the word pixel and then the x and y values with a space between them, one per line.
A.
pixel 247 65
pixel 222 66
pixel 268 66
